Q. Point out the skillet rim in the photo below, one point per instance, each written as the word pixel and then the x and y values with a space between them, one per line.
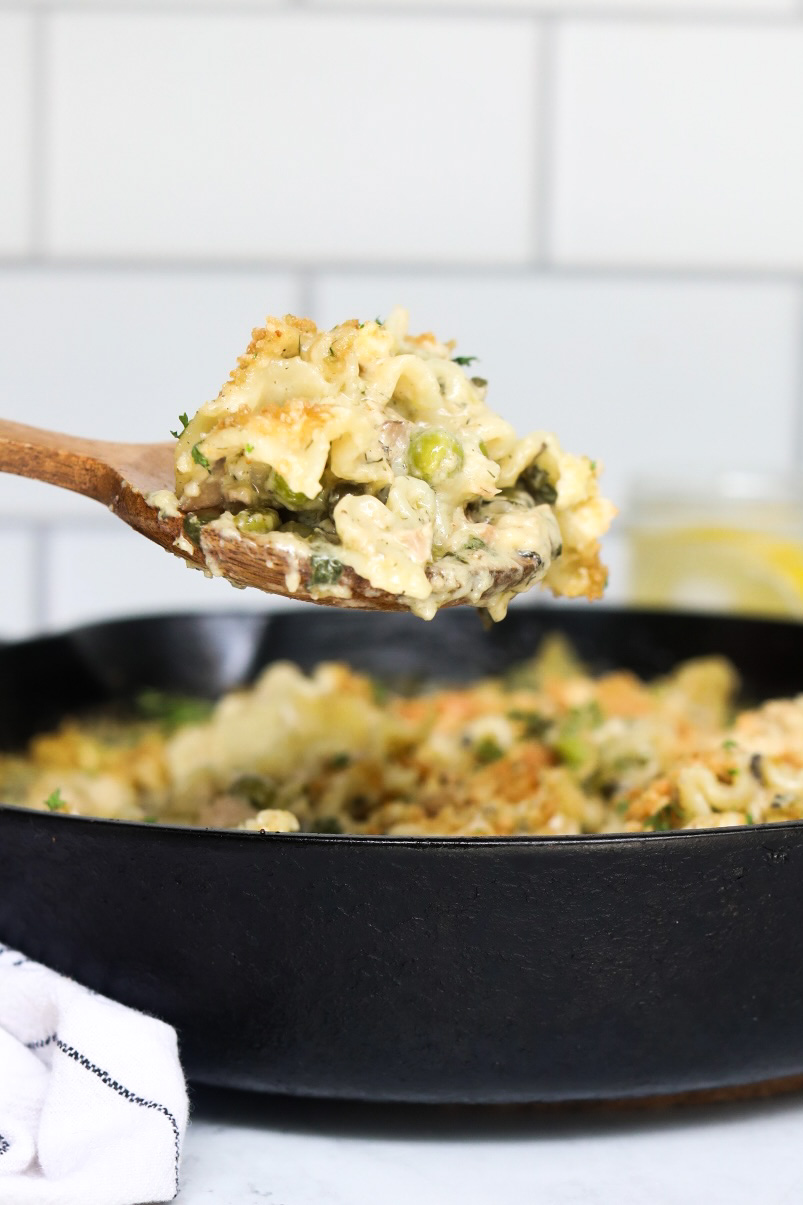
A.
pixel 587 840
pixel 534 840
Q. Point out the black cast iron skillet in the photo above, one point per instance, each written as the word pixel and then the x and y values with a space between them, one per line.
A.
pixel 506 969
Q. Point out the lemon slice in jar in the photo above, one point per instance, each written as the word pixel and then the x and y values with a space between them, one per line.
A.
pixel 718 568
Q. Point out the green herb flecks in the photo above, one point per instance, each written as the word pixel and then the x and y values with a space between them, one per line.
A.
pixel 666 818
pixel 473 544
pixel 464 361
pixel 730 744
pixel 339 761
pixel 54 801
pixel 192 524
pixel 185 422
pixel 199 457
pixel 324 571
pixel 172 711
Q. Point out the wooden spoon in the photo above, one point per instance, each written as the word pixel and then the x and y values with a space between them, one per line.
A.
pixel 122 476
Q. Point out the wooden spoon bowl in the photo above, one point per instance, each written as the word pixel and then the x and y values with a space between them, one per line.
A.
pixel 123 476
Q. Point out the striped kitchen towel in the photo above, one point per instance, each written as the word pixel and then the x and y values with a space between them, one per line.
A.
pixel 93 1106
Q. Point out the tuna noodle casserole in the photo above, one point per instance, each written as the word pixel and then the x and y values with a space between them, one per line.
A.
pixel 546 749
pixel 368 459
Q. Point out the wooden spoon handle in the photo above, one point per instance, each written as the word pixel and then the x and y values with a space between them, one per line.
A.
pixel 75 464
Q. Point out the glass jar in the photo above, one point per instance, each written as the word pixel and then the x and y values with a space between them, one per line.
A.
pixel 730 542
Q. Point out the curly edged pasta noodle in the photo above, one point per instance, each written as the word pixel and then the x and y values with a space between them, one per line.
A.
pixel 367 449
pixel 546 749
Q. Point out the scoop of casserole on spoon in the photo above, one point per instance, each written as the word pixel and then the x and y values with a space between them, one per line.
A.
pixel 358 467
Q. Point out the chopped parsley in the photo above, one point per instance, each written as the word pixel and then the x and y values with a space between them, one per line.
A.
pixel 249 447
pixel 199 457
pixel 473 543
pixel 324 571
pixel 54 801
pixel 666 818
pixel 729 745
pixel 185 422
pixel 749 818
pixel 339 761
pixel 464 361
pixel 621 806
pixel 732 771
pixel 192 524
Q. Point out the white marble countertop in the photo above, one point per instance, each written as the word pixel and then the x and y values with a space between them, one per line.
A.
pixel 244 1149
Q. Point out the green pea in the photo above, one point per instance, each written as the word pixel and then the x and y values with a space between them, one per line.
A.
pixel 257 522
pixel 288 497
pixel 434 455
pixel 326 824
pixel 260 792
pixel 573 751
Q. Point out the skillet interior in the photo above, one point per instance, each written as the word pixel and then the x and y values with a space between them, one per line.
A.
pixel 506 969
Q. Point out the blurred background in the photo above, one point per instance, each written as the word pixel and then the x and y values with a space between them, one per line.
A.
pixel 602 201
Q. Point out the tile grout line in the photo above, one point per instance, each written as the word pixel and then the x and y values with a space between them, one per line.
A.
pixel 545 117
pixel 42 550
pixel 736 274
pixel 38 148
pixel 667 14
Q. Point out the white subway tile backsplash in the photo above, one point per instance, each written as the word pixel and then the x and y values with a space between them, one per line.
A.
pixel 17 611
pixel 105 571
pixel 119 355
pixel 347 138
pixel 643 375
pixel 16 132
pixel 678 145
